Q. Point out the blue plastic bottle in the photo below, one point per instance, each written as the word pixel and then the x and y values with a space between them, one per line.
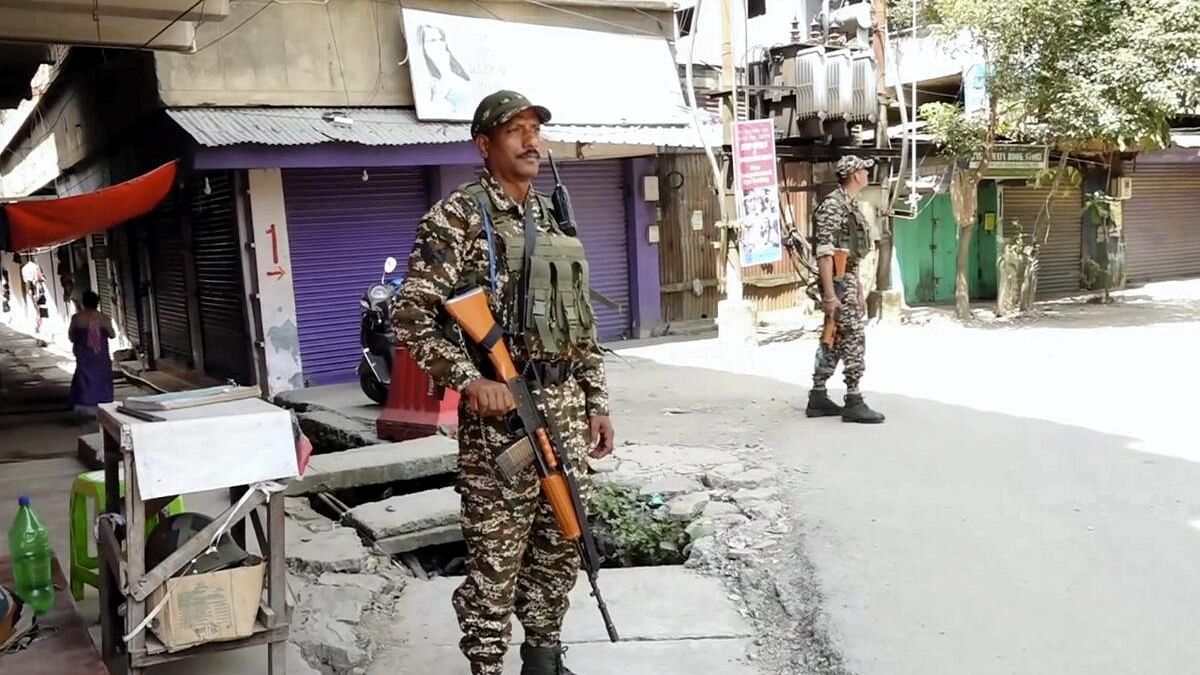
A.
pixel 29 548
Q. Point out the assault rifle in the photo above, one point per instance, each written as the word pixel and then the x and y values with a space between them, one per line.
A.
pixel 829 329
pixel 564 215
pixel 541 439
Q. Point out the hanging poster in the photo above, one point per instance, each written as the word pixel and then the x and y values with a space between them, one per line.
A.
pixel 757 192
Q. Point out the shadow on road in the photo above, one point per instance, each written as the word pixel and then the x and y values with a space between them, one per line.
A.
pixel 955 539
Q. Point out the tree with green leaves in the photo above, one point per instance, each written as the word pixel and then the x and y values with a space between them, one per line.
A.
pixel 1088 77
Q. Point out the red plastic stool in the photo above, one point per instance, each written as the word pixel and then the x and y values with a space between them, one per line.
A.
pixel 412 410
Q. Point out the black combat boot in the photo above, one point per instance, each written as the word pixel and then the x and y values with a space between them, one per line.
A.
pixel 543 661
pixel 857 411
pixel 820 405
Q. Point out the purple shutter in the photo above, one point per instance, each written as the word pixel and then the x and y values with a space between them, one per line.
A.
pixel 597 190
pixel 340 230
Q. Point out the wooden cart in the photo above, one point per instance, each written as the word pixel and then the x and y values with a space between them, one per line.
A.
pixel 223 446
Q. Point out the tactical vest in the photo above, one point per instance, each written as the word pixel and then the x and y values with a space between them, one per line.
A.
pixel 552 311
pixel 859 233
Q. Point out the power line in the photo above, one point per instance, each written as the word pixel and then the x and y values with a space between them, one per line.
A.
pixel 174 21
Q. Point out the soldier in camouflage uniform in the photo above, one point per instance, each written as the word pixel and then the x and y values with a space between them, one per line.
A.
pixel 840 225
pixel 517 560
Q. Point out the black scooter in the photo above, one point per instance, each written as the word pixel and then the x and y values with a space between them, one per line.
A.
pixel 376 336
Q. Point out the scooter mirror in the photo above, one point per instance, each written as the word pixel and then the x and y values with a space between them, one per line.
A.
pixel 389 265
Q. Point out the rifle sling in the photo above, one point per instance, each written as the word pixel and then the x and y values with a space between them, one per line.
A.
pixel 530 241
pixel 494 335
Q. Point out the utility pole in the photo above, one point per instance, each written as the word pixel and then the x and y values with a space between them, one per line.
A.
pixel 886 302
pixel 736 320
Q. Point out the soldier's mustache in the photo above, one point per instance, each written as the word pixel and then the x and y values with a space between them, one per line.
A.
pixel 534 154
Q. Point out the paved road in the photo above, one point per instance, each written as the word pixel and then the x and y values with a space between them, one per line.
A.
pixel 1031 506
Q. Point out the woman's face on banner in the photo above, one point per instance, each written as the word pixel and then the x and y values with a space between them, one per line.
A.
pixel 436 49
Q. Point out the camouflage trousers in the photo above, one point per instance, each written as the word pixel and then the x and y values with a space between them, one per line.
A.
pixel 849 344
pixel 517 560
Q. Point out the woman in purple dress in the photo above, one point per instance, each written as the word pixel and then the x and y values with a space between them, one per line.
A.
pixel 90 331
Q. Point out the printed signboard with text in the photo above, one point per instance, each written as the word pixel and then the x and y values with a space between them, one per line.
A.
pixel 757 192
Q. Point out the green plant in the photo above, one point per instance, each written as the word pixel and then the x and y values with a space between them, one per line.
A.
pixel 629 529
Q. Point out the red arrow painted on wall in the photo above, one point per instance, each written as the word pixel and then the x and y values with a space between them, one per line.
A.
pixel 278 273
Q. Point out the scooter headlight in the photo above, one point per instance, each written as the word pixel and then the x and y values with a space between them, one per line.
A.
pixel 379 294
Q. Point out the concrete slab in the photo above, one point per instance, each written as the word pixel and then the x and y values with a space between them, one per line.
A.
pixel 331 431
pixel 90 451
pixel 646 603
pixel 406 514
pixel 434 536
pixel 337 550
pixel 677 657
pixel 248 661
pixel 378 464
pixel 327 397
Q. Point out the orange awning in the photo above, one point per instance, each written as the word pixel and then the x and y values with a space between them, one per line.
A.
pixel 44 223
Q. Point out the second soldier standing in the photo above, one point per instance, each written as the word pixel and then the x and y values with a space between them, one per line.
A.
pixel 517 560
pixel 838 224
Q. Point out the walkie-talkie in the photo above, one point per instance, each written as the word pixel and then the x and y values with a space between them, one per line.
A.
pixel 561 202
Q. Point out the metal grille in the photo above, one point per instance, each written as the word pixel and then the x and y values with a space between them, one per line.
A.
pixel 1162 223
pixel 1060 260
pixel 167 281
pixel 217 257
pixel 340 230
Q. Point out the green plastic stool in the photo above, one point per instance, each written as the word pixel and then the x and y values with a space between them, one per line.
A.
pixel 89 487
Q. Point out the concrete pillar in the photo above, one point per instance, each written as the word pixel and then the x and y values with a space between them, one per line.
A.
pixel 273 280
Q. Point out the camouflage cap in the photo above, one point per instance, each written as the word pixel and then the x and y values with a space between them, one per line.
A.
pixel 851 163
pixel 500 107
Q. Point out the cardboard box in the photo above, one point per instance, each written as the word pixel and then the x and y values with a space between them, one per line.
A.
pixel 213 607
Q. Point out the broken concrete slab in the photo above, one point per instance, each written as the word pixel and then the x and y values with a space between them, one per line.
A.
pixel 671 486
pixel 373 584
pixel 748 496
pixel 434 536
pixel 302 519
pixel 718 477
pixel 90 451
pixel 378 464
pixel 335 550
pixel 329 644
pixel 674 456
pixel 751 479
pixel 669 657
pixel 719 509
pixel 647 603
pixel 405 514
pixel 330 431
pixel 687 507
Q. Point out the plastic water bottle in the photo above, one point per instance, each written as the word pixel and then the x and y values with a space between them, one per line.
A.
pixel 29 548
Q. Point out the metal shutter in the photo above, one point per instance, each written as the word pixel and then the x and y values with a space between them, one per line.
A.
pixel 1162 223
pixel 167 282
pixel 217 255
pixel 1060 261
pixel 104 286
pixel 340 230
pixel 598 194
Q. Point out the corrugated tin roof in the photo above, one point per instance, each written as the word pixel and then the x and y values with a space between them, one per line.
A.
pixel 215 127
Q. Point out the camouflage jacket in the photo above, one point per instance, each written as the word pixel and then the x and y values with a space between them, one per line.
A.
pixel 450 255
pixel 832 223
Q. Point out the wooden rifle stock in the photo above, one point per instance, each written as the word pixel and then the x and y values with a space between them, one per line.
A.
pixel 828 331
pixel 473 314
